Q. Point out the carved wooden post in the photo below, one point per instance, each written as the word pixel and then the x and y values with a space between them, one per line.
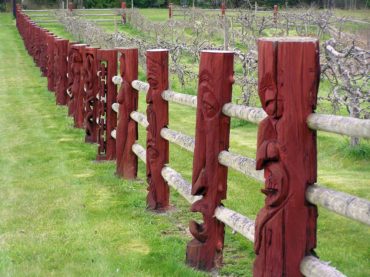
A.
pixel 170 10
pixel 44 51
pixel 50 64
pixel 223 9
pixel 90 94
pixel 209 177
pixel 127 132
pixel 61 46
pixel 288 79
pixel 157 113
pixel 275 13
pixel 70 75
pixel 107 68
pixel 76 88
pixel 123 7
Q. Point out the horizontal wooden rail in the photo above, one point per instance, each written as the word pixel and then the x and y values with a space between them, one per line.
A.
pixel 97 14
pixel 341 203
pixel 342 125
pixel 176 181
pixel 140 118
pixel 139 151
pixel 251 114
pixel 140 86
pixel 241 163
pixel 115 107
pixel 313 267
pixel 180 98
pixel 114 134
pixel 184 141
pixel 239 223
pixel 330 123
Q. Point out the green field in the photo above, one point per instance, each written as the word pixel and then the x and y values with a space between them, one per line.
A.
pixel 61 213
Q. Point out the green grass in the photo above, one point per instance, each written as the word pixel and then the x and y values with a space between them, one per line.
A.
pixel 63 214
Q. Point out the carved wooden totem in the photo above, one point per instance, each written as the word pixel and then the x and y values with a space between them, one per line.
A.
pixel 75 57
pixel 90 95
pixel 157 151
pixel 50 40
pixel 127 129
pixel 70 76
pixel 44 51
pixel 288 74
pixel 61 81
pixel 209 177
pixel 107 118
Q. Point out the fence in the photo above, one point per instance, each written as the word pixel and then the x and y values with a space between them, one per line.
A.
pixel 284 234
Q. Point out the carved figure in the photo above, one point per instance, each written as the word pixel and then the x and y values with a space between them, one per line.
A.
pixel 157 115
pixel 209 177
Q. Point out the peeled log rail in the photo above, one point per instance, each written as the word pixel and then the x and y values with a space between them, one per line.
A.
pixel 140 86
pixel 180 98
pixel 313 267
pixel 329 123
pixel 236 221
pixel 251 114
pixel 139 151
pixel 241 163
pixel 115 107
pixel 114 134
pixel 140 118
pixel 185 141
pixel 175 180
pixel 341 203
pixel 340 125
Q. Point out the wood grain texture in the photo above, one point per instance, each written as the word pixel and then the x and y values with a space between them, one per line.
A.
pixel 107 96
pixel 157 148
pixel 209 179
pixel 127 129
pixel 288 78
pixel 89 97
pixel 61 81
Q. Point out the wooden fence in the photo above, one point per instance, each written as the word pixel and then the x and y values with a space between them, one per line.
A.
pixel 284 234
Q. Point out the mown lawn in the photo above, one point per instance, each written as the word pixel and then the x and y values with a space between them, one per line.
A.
pixel 63 214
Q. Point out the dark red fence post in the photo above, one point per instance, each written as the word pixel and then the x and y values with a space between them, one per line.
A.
pixel 50 40
pixel 288 79
pixel 223 9
pixel 61 81
pixel 209 177
pixel 90 93
pixel 275 13
pixel 76 85
pixel 107 118
pixel 170 10
pixel 157 150
pixel 123 7
pixel 127 130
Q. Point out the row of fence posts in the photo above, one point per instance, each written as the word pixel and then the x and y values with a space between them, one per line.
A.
pixel 82 79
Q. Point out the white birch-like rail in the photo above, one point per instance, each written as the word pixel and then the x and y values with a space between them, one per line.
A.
pixel 176 181
pixel 251 114
pixel 238 222
pixel 140 118
pixel 180 98
pixel 140 86
pixel 139 151
pixel 113 134
pixel 313 267
pixel 341 203
pixel 240 163
pixel 115 107
pixel 184 141
pixel 342 125
pixel 117 80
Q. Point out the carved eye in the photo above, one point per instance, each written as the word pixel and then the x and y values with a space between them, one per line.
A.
pixel 210 105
